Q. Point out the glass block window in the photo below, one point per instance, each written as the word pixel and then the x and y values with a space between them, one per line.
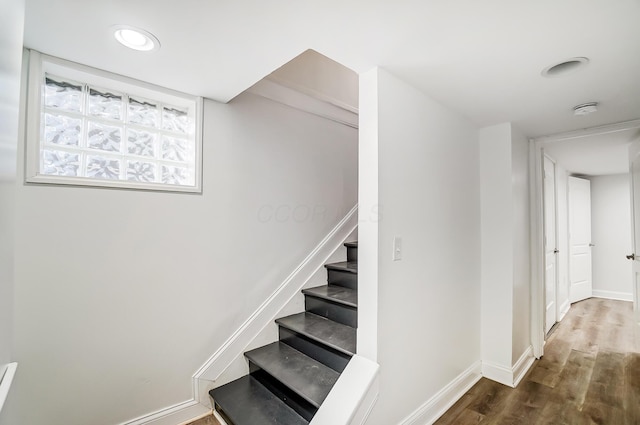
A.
pixel 102 130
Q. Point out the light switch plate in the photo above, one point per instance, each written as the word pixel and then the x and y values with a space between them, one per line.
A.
pixel 397 248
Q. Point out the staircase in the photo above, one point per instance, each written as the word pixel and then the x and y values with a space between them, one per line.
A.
pixel 289 379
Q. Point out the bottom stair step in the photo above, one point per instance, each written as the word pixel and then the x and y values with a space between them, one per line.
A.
pixel 303 375
pixel 247 402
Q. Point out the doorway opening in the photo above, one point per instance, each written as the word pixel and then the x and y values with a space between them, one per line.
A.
pixel 581 221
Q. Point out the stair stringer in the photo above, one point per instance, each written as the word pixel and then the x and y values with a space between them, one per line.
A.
pixel 228 362
pixel 353 396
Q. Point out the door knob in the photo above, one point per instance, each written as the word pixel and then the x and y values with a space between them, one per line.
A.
pixel 592 244
pixel 631 257
pixel 555 251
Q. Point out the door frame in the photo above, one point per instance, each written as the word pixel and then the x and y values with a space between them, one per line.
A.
pixel 556 239
pixel 536 199
pixel 634 152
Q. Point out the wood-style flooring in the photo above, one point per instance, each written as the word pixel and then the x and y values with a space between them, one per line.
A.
pixel 589 374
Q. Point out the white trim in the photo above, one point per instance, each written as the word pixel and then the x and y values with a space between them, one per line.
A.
pixel 510 376
pixel 267 312
pixel 301 101
pixel 613 295
pixel 39 64
pixel 219 418
pixel 564 309
pixel 634 151
pixel 5 382
pixel 437 405
pixel 179 413
pixel 555 242
pixel 592 131
pixel 204 415
pixel 523 365
pixel 537 248
pixel 498 373
pixel 370 400
pixel 353 396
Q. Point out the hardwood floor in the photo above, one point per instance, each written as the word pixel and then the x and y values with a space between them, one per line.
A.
pixel 589 374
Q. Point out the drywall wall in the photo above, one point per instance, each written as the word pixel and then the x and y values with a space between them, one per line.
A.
pixel 368 216
pixel 506 300
pixel 429 302
pixel 497 234
pixel 521 245
pixel 123 295
pixel 11 23
pixel 562 224
pixel 611 234
pixel 316 75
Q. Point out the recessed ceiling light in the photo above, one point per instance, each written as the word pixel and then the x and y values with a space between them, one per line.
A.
pixel 135 38
pixel 585 108
pixel 565 67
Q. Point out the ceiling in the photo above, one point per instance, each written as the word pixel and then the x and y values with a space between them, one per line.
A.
pixel 596 154
pixel 480 58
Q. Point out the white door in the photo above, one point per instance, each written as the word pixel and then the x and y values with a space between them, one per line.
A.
pixel 634 171
pixel 550 245
pixel 580 276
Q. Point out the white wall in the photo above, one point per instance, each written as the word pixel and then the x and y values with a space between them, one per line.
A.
pixel 562 224
pixel 123 295
pixel 506 300
pixel 11 24
pixel 521 245
pixel 497 241
pixel 611 234
pixel 429 302
pixel 317 75
pixel 368 215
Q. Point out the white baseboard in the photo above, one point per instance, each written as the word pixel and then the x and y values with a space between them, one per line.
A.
pixel 613 295
pixel 219 418
pixel 437 405
pixel 498 373
pixel 523 365
pixel 510 376
pixel 6 379
pixel 180 413
pixel 564 309
pixel 189 421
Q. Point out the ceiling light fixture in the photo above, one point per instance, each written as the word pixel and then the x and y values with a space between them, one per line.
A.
pixel 565 67
pixel 135 38
pixel 585 108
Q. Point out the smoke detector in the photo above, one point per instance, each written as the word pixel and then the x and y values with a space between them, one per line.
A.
pixel 585 108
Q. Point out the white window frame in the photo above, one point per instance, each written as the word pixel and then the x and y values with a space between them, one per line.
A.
pixel 41 64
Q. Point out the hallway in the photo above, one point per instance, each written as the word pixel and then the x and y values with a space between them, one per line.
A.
pixel 590 374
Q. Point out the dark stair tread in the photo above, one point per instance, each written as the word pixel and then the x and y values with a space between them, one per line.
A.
pixel 246 401
pixel 332 334
pixel 344 266
pixel 307 377
pixel 338 294
pixel 351 244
